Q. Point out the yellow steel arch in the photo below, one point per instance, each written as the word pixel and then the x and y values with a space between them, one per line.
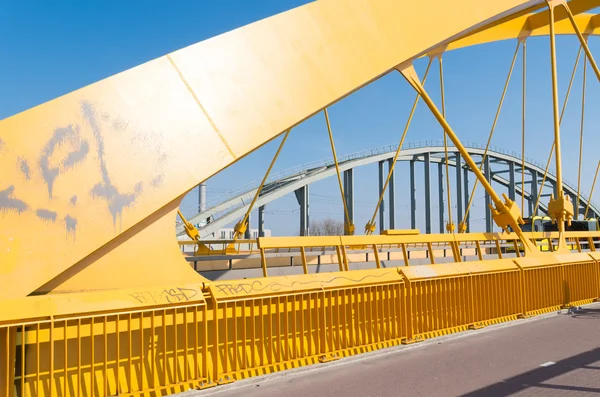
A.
pixel 91 181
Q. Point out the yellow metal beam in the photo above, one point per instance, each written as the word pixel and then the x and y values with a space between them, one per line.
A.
pixel 99 197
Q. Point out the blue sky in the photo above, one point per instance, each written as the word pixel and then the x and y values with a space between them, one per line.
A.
pixel 49 49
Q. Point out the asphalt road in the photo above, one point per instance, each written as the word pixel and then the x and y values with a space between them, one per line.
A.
pixel 558 355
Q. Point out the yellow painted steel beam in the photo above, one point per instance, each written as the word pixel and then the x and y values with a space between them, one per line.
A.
pixel 97 175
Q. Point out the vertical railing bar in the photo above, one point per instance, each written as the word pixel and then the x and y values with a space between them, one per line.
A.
pixel 51 354
pixel 225 339
pixel 261 327
pixel 186 347
pixel 130 357
pixel 478 247
pixel 278 328
pixel 37 359
pixel 244 337
pixel 152 347
pixel 78 356
pixel 204 322
pixel 286 355
pixel 196 340
pixel 175 348
pixel 270 328
pixel 253 334
pixel 234 318
pixel 105 337
pixel 301 315
pixel 23 359
pixel 142 358
pixel 164 346
pixel 405 254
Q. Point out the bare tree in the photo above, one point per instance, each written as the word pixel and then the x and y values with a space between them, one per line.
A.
pixel 327 227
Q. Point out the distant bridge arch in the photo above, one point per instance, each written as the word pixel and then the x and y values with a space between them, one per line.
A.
pixel 505 169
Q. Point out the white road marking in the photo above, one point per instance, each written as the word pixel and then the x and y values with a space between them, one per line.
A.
pixel 549 363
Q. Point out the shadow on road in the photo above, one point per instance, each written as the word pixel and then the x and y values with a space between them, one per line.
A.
pixel 535 380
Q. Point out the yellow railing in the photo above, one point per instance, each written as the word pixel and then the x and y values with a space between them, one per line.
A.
pixel 168 340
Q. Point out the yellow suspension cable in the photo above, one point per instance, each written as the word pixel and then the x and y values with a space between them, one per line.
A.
pixel 348 226
pixel 463 225
pixel 559 207
pixel 587 207
pixel 524 82
pixel 562 113
pixel 241 226
pixel 370 226
pixel 582 40
pixel 581 139
pixel 450 224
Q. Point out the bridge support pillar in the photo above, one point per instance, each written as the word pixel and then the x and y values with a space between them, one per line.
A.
pixel 348 179
pixel 382 206
pixel 441 195
pixel 427 172
pixel 511 181
pixel 459 192
pixel 202 197
pixel 392 197
pixel 247 234
pixel 534 190
pixel 488 212
pixel 466 197
pixel 302 195
pixel 413 198
pixel 261 221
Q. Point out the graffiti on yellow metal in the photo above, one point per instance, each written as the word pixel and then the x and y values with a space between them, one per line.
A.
pixel 167 295
pixel 95 169
pixel 302 282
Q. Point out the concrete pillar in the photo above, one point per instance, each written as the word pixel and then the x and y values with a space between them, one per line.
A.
pixel 381 174
pixel 247 234
pixel 459 190
pixel 534 189
pixel 202 197
pixel 302 195
pixel 413 198
pixel 466 197
pixel 427 175
pixel 348 179
pixel 511 181
pixel 441 195
pixel 488 212
pixel 392 197
pixel 261 221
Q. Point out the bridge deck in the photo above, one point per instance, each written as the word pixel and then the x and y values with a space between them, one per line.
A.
pixel 510 359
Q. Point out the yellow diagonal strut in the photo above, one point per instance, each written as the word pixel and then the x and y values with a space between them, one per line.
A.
pixel 242 225
pixel 506 214
pixel 348 225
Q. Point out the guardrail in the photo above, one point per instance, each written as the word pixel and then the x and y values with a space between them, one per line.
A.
pixel 167 340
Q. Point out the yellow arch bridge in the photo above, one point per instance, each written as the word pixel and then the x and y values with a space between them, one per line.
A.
pixel 84 206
